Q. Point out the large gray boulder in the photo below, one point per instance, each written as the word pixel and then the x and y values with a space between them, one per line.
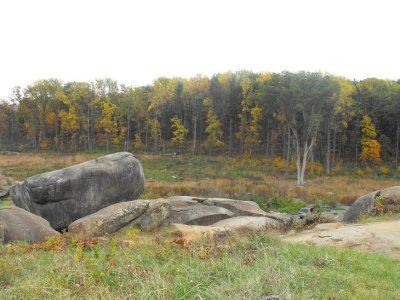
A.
pixel 17 224
pixel 389 202
pixel 66 195
pixel 363 205
pixel 199 214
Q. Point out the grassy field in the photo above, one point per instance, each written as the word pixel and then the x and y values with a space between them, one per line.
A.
pixel 135 265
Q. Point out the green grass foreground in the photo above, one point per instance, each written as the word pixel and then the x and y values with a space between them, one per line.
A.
pixel 245 268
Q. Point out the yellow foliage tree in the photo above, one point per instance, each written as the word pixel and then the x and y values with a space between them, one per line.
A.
pixel 68 118
pixel 179 131
pixel 213 128
pixel 108 123
pixel 370 146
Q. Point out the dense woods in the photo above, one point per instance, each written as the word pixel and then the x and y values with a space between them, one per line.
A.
pixel 294 117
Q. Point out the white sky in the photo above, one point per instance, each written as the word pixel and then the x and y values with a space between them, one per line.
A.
pixel 135 42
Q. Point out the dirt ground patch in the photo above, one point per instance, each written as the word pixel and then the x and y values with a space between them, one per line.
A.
pixel 379 237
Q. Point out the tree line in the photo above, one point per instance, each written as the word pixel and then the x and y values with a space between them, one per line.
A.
pixel 295 116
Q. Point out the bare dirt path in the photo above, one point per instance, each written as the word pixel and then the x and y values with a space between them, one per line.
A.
pixel 378 237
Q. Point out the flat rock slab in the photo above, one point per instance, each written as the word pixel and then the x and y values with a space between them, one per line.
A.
pixel 66 195
pixel 199 214
pixel 108 220
pixel 145 214
pixel 248 223
pixel 181 201
pixel 17 224
pixel 238 207
pixel 378 237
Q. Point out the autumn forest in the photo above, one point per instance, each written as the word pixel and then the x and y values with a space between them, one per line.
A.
pixel 302 117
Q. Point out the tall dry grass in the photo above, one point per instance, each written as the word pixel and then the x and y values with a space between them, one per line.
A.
pixel 253 183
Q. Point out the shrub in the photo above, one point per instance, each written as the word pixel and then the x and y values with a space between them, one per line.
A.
pixel 337 168
pixel 368 171
pixel 384 170
pixel 279 204
pixel 360 173
pixel 279 163
pixel 318 168
pixel 292 166
pixel 261 189
pixel 299 192
pixel 387 205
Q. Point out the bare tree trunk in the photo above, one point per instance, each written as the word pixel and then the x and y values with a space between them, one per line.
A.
pixel 128 136
pixel 300 182
pixel 88 128
pixel 334 148
pixel 284 142
pixel 147 135
pixel 328 149
pixel 266 139
pixel 288 151
pixel 194 135
pixel 312 161
pixel 397 142
pixel 230 136
pixel 12 132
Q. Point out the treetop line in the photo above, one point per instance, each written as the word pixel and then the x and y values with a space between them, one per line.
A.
pixel 302 116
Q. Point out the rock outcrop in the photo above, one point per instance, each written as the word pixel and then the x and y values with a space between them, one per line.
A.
pixel 362 205
pixel 389 202
pixel 184 206
pixel 238 207
pixel 248 223
pixel 17 224
pixel 199 214
pixel 156 215
pixel 379 237
pixel 108 220
pixel 5 184
pixel 145 214
pixel 66 195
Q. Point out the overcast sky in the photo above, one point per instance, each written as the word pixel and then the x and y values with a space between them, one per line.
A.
pixel 135 42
